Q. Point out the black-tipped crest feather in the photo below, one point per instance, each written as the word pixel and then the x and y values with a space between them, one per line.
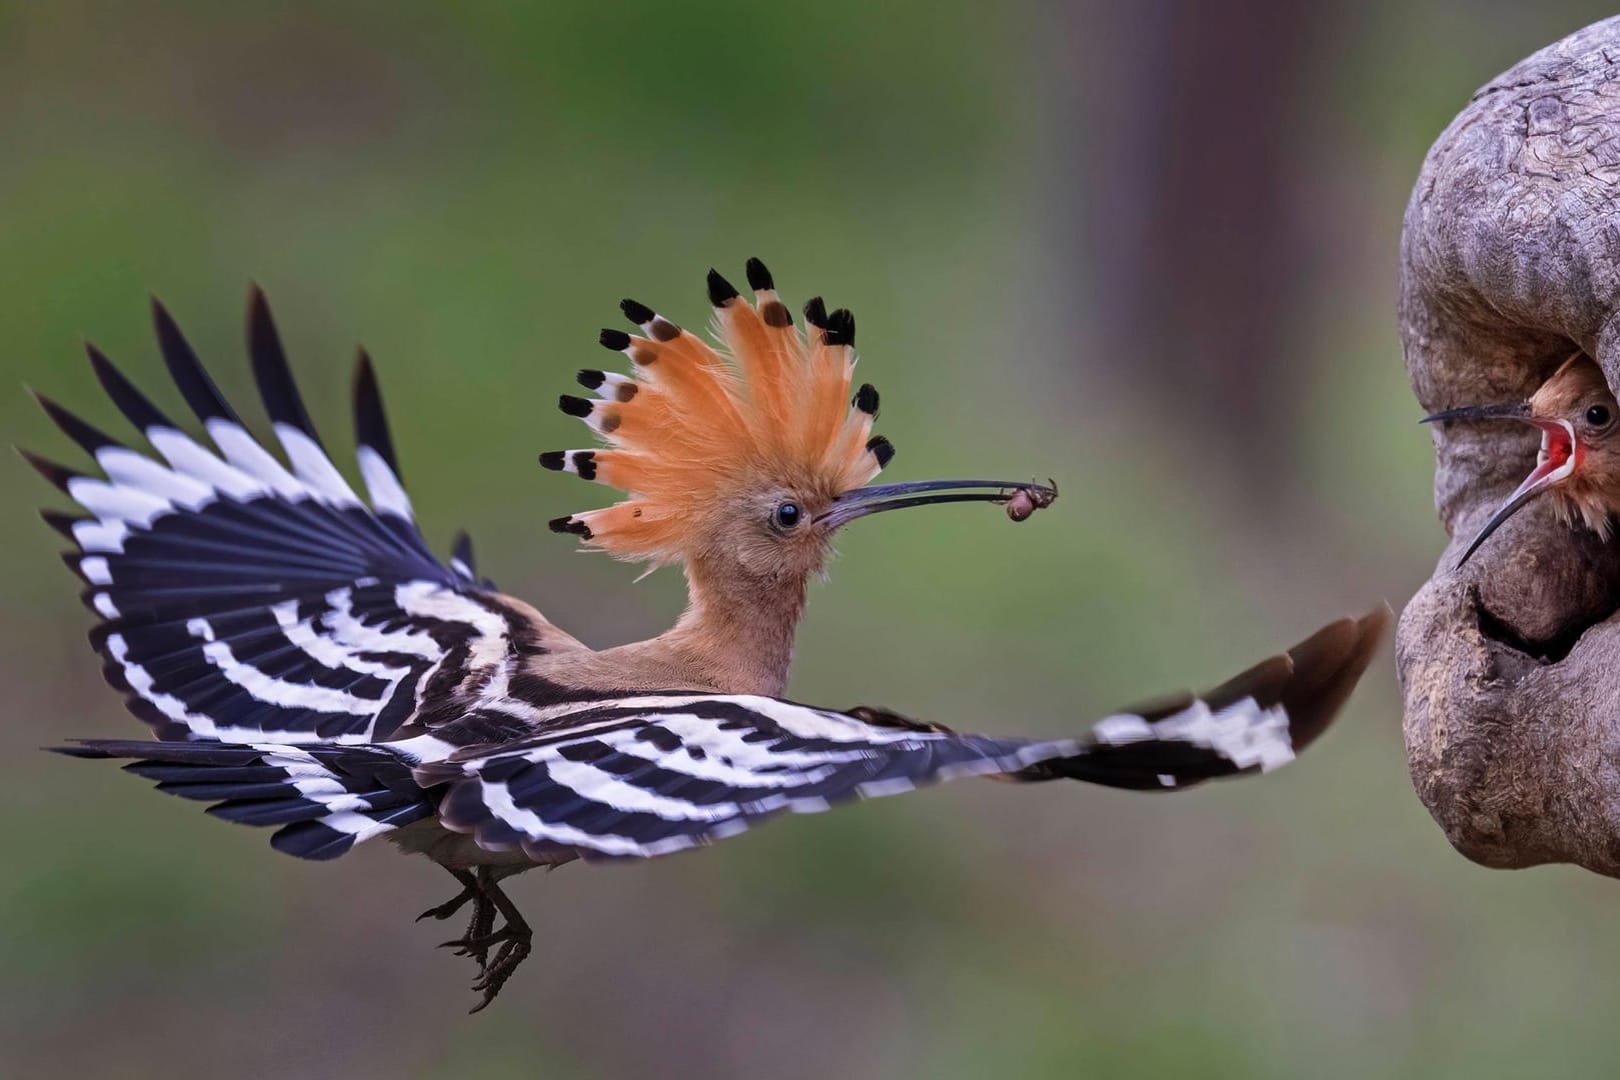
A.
pixel 759 278
pixel 636 312
pixel 721 291
pixel 840 327
pixel 815 312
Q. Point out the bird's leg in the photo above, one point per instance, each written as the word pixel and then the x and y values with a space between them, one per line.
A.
pixel 483 918
pixel 514 937
pixel 483 921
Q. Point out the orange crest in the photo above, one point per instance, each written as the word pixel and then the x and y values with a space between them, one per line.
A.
pixel 693 423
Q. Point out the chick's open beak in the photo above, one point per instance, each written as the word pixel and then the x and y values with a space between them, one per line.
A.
pixel 880 497
pixel 1559 456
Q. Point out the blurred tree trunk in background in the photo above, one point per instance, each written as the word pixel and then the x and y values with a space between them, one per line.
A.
pixel 1193 219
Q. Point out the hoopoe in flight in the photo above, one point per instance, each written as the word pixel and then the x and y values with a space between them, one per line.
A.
pixel 1579 459
pixel 305 661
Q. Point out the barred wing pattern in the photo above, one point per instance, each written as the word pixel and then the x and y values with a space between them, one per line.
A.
pixel 647 775
pixel 244 600
pixel 323 798
pixel 651 775
pixel 642 776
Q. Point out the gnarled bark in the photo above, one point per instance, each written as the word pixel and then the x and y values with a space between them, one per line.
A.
pixel 1510 667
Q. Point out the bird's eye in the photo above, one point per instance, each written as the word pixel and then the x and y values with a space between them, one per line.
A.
pixel 1598 415
pixel 786 515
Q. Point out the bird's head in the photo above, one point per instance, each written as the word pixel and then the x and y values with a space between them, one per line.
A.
pixel 1579 462
pixel 748 457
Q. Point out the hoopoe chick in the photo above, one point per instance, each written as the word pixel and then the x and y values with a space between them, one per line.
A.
pixel 1579 460
pixel 306 663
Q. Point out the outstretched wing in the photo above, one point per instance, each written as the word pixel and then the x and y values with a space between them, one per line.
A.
pixel 650 775
pixel 243 599
pixel 653 774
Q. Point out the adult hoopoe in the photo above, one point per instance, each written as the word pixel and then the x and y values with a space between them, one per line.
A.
pixel 305 661
pixel 1579 460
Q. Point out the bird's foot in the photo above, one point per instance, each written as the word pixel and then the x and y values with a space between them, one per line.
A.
pixel 512 943
pixel 514 939
pixel 516 948
pixel 478 927
pixel 480 938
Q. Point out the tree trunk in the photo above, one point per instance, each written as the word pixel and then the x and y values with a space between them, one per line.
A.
pixel 1510 667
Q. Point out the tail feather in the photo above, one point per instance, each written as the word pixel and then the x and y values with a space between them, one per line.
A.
pixel 324 798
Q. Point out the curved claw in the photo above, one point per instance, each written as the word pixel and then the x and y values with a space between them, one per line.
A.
pixel 452 905
pixel 513 953
pixel 473 943
pixel 470 891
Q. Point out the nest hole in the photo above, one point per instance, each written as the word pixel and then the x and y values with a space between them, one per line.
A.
pixel 1545 650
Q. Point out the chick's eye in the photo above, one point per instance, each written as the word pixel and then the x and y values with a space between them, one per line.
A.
pixel 787 515
pixel 1598 415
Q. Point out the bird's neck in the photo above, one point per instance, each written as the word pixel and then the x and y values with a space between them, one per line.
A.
pixel 738 632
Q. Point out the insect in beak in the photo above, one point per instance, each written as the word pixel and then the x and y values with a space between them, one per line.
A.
pixel 1560 455
pixel 880 497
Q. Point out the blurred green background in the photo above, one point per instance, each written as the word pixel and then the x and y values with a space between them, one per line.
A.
pixel 1148 250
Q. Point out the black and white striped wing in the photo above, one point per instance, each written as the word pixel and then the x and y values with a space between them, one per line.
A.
pixel 650 775
pixel 244 599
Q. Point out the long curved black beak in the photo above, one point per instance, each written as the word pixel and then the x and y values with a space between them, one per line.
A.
pixel 1540 479
pixel 1556 462
pixel 880 497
